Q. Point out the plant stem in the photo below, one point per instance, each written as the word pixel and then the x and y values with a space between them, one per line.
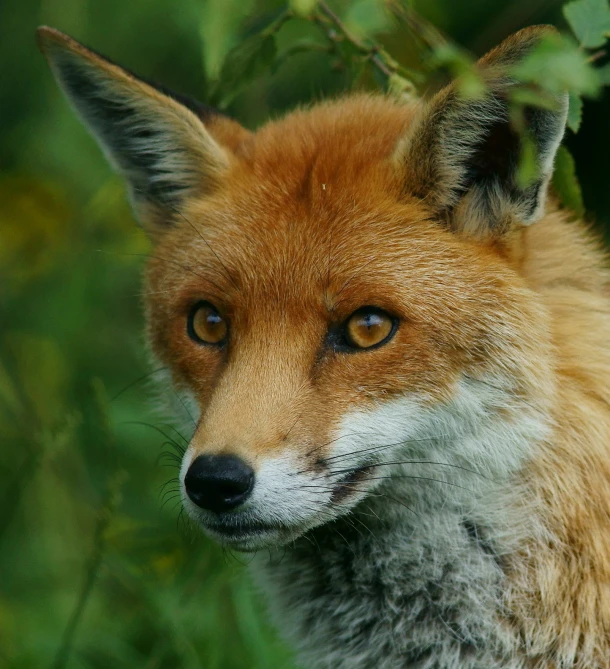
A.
pixel 374 53
pixel 95 562
pixel 596 56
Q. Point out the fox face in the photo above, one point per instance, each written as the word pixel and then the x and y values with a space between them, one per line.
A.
pixel 339 294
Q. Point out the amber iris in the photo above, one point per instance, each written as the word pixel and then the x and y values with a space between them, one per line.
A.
pixel 368 327
pixel 206 325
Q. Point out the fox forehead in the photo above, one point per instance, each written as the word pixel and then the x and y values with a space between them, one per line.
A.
pixel 336 142
pixel 322 165
pixel 313 206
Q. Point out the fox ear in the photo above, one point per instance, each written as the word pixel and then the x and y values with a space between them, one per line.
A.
pixel 163 144
pixel 462 155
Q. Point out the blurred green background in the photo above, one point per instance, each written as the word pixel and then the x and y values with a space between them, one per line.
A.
pixel 96 568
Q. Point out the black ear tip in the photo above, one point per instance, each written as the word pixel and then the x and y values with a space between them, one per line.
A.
pixel 42 36
pixel 45 35
pixel 538 30
pixel 49 38
pixel 516 46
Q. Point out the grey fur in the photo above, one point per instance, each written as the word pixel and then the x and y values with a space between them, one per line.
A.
pixel 389 589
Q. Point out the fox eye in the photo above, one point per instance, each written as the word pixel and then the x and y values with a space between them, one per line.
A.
pixel 369 327
pixel 205 325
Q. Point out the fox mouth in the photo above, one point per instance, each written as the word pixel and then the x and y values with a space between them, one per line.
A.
pixel 347 485
pixel 245 532
pixel 233 530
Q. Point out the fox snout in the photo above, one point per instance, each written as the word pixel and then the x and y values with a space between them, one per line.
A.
pixel 219 483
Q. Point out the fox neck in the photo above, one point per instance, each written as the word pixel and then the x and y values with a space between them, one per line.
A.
pixel 390 582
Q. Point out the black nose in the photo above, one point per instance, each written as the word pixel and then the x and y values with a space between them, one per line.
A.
pixel 219 482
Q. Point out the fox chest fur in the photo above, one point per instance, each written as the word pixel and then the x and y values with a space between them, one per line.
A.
pixel 356 595
pixel 398 355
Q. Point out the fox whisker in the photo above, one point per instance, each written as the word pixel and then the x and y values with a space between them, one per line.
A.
pixel 419 478
pixel 169 499
pixel 180 449
pixel 135 383
pixel 164 485
pixel 328 443
pixel 393 499
pixel 384 446
pixel 167 492
pixel 168 455
pixel 188 413
pixel 198 232
pixel 418 462
pixel 171 427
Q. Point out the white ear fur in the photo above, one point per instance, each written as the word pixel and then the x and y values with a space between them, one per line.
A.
pixel 159 144
pixel 462 155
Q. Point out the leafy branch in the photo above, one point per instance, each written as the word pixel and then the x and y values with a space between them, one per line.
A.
pixel 398 78
pixel 559 63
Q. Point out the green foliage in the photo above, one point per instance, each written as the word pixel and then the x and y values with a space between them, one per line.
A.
pixel 303 8
pixel 95 569
pixel 575 112
pixel 565 182
pixel 604 75
pixel 247 60
pixel 220 21
pixel 365 18
pixel 590 21
pixel 461 65
pixel 557 65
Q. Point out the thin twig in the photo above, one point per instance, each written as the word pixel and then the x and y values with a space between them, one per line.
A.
pixel 337 32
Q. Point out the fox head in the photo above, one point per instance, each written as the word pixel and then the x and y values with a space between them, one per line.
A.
pixel 339 293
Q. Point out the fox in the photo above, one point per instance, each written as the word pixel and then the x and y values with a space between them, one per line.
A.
pixel 399 358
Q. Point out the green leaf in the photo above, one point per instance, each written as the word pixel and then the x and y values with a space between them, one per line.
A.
pixel 219 29
pixel 296 47
pixel 533 97
pixel 244 63
pixel 575 112
pixel 350 55
pixel 590 21
pixel 565 182
pixel 42 371
pixel 469 82
pixel 557 65
pixel 267 54
pixel 36 222
pixel 401 88
pixel 365 18
pixel 303 8
pixel 527 170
